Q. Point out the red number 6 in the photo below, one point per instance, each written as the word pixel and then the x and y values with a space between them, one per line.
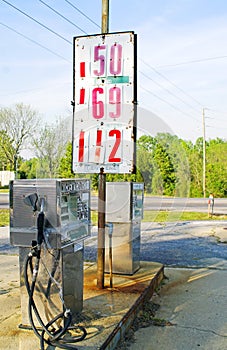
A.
pixel 97 106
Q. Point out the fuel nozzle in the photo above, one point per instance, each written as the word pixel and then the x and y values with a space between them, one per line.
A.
pixel 41 222
pixel 32 200
pixel 40 228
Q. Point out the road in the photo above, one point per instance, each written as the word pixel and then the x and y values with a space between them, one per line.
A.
pixel 186 204
pixel 158 203
pixel 4 200
pixel 177 204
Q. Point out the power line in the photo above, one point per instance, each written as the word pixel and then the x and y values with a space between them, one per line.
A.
pixel 155 70
pixel 216 127
pixel 35 89
pixel 171 93
pixel 217 111
pixel 173 84
pixel 36 21
pixel 35 42
pixel 83 32
pixel 194 61
pixel 82 13
pixel 168 103
pixel 65 18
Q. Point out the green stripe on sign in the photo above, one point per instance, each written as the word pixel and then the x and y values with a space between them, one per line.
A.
pixel 117 80
pixel 112 80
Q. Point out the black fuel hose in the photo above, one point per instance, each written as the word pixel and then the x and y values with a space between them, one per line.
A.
pixel 46 335
pixel 55 337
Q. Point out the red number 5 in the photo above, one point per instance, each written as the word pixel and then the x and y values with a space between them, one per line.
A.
pixel 101 59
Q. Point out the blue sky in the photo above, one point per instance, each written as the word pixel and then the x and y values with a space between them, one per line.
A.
pixel 182 57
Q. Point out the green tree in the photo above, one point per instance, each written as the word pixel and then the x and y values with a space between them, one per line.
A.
pixel 28 169
pixel 50 147
pixel 65 164
pixel 216 168
pixel 6 152
pixel 165 168
pixel 163 161
pixel 145 163
pixel 17 126
pixel 176 151
pixel 196 188
pixel 147 142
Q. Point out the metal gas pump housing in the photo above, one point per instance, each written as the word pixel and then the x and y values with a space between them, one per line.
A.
pixel 66 204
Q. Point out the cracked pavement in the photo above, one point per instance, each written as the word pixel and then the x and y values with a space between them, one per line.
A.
pixel 192 300
pixel 192 303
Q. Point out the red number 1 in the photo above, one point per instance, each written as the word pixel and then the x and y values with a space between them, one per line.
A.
pixel 81 147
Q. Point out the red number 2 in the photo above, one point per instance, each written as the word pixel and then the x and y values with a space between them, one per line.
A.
pixel 112 158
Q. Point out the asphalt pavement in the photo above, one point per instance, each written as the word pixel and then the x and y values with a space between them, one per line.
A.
pixel 159 203
pixel 182 244
pixel 191 244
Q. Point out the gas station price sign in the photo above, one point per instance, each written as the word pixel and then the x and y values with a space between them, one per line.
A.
pixel 105 94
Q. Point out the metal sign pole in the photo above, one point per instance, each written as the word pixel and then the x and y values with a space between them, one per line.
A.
pixel 102 185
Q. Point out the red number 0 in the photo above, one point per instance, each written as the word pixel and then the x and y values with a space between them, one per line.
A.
pixel 115 59
pixel 112 157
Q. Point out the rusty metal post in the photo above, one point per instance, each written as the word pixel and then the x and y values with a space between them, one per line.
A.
pixel 110 258
pixel 101 229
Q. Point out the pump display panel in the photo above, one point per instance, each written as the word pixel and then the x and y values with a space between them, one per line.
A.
pixel 66 206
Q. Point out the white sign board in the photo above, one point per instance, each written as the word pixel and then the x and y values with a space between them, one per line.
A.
pixel 104 128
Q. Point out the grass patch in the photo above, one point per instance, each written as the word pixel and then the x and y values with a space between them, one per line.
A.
pixel 149 216
pixel 4 190
pixel 4 217
pixel 169 216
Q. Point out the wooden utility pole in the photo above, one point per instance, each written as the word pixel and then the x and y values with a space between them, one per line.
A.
pixel 204 154
pixel 102 184
pixel 105 16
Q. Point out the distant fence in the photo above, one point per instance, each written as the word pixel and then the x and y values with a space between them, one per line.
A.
pixel 6 177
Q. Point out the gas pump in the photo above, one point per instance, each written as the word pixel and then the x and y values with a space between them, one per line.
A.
pixel 124 210
pixel 49 220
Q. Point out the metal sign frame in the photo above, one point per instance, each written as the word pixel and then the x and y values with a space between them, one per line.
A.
pixel 105 103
